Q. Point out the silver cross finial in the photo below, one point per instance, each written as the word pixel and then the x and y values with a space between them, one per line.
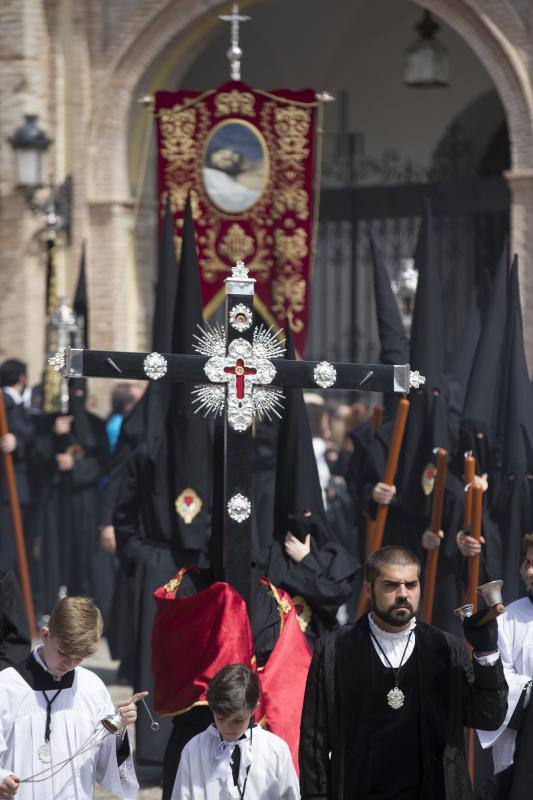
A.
pixel 239 270
pixel 234 53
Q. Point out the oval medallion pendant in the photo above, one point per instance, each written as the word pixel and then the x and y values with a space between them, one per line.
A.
pixel 44 753
pixel 395 698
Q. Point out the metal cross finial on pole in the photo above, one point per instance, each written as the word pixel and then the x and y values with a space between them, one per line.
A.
pixel 234 53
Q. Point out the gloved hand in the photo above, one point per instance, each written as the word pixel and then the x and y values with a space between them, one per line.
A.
pixel 483 639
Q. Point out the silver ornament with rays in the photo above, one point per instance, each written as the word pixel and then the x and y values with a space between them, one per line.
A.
pixel 246 369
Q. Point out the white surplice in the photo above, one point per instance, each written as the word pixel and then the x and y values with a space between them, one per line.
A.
pixel 75 717
pixel 515 643
pixel 204 772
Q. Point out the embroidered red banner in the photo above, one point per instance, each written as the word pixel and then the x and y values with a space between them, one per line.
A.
pixel 247 156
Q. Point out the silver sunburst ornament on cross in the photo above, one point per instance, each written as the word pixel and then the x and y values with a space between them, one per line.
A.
pixel 245 370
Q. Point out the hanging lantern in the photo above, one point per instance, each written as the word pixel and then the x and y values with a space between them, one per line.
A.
pixel 427 61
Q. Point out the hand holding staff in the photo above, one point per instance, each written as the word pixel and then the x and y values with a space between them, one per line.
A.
pixel 435 526
pixel 390 473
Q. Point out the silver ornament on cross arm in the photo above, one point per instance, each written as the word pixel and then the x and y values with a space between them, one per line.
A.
pixel 155 366
pixel 416 380
pixel 324 374
pixel 57 361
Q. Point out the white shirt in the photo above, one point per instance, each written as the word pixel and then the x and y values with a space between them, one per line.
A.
pixel 204 771
pixel 515 643
pixel 393 644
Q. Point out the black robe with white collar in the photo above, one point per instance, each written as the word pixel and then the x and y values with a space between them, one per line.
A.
pixel 454 693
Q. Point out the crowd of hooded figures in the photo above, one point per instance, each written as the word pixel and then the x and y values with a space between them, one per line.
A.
pixel 124 509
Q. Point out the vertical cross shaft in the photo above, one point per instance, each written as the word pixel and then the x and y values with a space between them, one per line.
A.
pixel 237 511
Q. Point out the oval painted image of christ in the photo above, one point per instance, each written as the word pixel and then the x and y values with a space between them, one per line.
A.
pixel 235 166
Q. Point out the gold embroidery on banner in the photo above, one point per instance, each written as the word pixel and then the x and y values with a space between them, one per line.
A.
pixel 177 131
pixel 234 102
pixel 178 241
pixel 292 128
pixel 288 299
pixel 267 234
pixel 178 198
pixel 291 198
pixel 236 245
pixel 262 261
pixel 291 246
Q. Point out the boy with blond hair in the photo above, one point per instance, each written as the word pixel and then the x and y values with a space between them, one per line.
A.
pixel 52 741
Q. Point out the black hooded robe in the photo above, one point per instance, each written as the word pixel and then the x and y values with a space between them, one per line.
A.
pixel 150 553
pixel 335 736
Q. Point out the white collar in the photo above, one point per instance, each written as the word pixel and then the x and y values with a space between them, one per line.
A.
pixel 223 753
pixel 37 654
pixel 17 398
pixel 379 633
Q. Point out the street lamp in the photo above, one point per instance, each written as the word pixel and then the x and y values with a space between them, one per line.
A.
pixel 427 61
pixel 30 144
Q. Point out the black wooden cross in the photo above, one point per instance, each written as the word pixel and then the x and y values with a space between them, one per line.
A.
pixel 240 373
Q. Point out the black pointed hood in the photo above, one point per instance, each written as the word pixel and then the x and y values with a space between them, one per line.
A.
pixel 482 391
pixel 516 410
pixel 81 302
pixel 427 423
pixel 298 504
pixel 149 407
pixel 186 450
pixel 427 329
pixel 528 440
pixel 465 351
pixel 166 286
pixel 512 504
pixel 82 428
pixel 392 336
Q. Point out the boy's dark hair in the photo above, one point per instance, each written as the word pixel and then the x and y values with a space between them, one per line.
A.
pixel 234 688
pixel 10 372
pixel 392 555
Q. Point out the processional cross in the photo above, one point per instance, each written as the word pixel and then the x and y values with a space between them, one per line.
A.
pixel 240 373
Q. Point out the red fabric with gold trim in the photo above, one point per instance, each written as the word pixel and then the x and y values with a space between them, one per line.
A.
pixel 247 157
pixel 192 638
pixel 284 676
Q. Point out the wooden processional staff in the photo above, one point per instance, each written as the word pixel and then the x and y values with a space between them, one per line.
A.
pixel 390 474
pixel 18 529
pixel 435 525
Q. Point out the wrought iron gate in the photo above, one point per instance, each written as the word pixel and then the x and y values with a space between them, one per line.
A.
pixel 471 217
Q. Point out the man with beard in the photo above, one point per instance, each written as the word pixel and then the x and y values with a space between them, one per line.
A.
pixel 512 742
pixel 387 698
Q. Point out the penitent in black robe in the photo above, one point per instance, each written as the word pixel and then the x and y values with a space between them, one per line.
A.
pixel 335 736
pixel 150 550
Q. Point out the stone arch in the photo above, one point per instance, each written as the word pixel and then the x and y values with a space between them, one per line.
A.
pixel 502 62
pixel 147 36
pixel 497 41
